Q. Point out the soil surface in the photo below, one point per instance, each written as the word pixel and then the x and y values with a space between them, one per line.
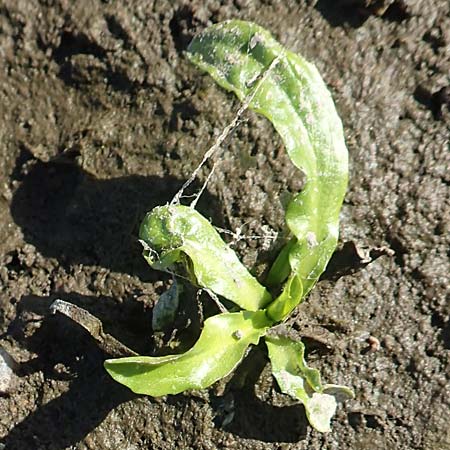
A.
pixel 103 118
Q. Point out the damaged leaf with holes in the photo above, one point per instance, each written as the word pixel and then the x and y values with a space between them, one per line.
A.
pixel 303 383
pixel 245 59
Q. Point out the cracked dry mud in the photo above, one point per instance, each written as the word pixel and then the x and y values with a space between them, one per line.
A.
pixel 102 118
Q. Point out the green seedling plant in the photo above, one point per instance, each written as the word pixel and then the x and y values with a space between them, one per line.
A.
pixel 245 59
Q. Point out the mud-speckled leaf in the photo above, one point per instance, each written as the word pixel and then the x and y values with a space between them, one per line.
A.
pixel 303 383
pixel 176 234
pixel 222 344
pixel 294 98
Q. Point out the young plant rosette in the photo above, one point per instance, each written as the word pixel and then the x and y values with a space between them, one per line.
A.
pixel 244 58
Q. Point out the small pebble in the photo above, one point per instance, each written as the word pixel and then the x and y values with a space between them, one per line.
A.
pixel 374 343
pixel 389 342
pixel 8 378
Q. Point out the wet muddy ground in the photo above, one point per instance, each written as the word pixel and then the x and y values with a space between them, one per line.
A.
pixel 102 118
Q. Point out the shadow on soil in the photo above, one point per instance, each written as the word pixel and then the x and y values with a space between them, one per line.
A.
pixel 69 215
pixel 355 12
pixel 255 418
pixel 343 12
pixel 66 352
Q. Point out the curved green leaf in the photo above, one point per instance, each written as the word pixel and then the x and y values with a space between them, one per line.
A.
pixel 221 346
pixel 178 234
pixel 303 383
pixel 295 99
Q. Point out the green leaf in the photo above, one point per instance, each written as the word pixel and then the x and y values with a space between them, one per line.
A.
pixel 294 98
pixel 176 234
pixel 221 346
pixel 283 305
pixel 303 383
